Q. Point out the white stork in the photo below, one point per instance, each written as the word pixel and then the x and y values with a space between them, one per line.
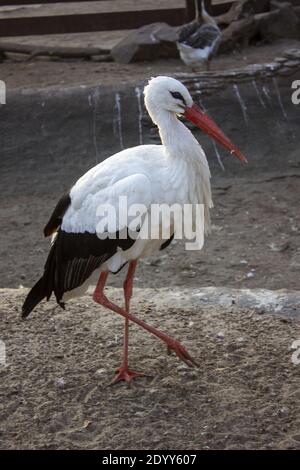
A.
pixel 199 40
pixel 174 172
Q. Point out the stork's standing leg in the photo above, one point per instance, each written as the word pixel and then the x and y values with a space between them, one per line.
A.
pixel 123 372
pixel 101 299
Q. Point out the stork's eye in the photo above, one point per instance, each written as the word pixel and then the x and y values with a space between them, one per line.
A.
pixel 178 96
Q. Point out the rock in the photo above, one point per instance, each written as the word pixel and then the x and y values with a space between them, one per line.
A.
pixel 238 32
pixel 147 43
pixel 280 247
pixel 282 22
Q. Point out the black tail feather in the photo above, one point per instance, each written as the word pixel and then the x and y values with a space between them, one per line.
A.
pixel 36 294
pixel 44 287
pixel 71 260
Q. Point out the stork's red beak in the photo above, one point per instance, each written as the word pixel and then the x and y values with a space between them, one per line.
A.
pixel 198 117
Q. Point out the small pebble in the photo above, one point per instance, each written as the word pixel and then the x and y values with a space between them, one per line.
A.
pixel 260 311
pixel 100 372
pixel 60 382
pixel 241 339
pixel 283 411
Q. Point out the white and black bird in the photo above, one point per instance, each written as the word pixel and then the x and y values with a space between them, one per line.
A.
pixel 199 40
pixel 176 171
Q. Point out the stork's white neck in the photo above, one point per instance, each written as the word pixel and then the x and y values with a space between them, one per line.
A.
pixel 187 160
pixel 176 138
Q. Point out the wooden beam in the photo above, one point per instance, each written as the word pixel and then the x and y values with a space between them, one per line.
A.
pixel 82 23
pixel 59 51
pixel 32 2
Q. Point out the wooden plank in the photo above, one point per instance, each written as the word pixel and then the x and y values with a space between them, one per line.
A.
pixel 59 51
pixel 33 2
pixel 88 22
pixel 84 8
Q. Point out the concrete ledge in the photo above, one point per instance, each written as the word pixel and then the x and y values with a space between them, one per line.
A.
pixel 262 301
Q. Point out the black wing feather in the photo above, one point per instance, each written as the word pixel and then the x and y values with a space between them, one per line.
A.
pixel 187 30
pixel 202 36
pixel 71 260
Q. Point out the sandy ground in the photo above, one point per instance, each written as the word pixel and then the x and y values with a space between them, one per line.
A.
pixel 244 395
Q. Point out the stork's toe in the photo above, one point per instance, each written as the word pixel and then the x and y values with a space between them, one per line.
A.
pixel 126 375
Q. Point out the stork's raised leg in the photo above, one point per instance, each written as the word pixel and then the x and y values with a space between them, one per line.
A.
pixel 101 299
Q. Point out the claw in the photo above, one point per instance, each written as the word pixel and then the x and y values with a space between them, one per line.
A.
pixel 182 353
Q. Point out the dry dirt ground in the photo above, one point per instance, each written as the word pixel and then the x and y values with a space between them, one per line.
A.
pixel 54 392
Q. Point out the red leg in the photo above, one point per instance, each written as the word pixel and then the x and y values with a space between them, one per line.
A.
pixel 172 344
pixel 123 372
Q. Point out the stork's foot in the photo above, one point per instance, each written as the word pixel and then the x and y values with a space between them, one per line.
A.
pixel 126 375
pixel 181 352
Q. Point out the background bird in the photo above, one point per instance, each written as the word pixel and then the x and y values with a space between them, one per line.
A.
pixel 84 251
pixel 199 40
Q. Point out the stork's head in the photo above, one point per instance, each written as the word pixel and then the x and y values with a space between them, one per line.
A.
pixel 165 94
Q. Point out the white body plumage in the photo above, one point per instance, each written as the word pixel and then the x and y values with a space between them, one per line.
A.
pixel 174 172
